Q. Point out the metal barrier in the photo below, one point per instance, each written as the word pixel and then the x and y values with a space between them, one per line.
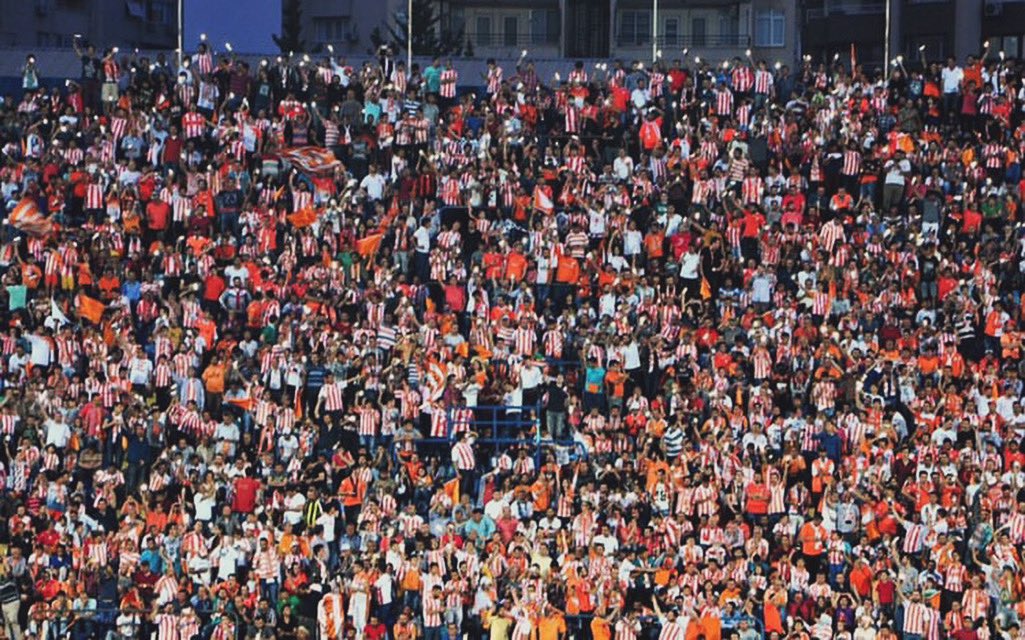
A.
pixel 92 622
pixel 497 425
pixel 576 624
pixel 509 417
pixel 572 449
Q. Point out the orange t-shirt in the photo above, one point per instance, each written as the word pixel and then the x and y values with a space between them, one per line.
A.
pixel 516 266
pixel 617 380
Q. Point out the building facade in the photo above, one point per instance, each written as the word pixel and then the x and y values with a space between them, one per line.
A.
pixel 556 29
pixel 940 28
pixel 714 29
pixel 145 24
pixel 346 24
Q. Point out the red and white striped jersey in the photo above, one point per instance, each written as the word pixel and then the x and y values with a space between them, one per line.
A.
pixel 193 124
pixel 851 163
pixel 724 102
pixel 975 603
pixel 449 78
pixel 763 82
pixel 331 394
pixel 494 79
pixel 463 457
pixel 917 618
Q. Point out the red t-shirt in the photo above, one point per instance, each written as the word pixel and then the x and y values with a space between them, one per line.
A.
pixel 245 495
pixel 158 213
pixel 753 224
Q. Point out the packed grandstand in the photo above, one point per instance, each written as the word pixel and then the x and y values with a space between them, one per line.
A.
pixel 692 350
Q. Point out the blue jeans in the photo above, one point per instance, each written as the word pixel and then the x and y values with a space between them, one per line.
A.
pixel 269 590
pixel 432 633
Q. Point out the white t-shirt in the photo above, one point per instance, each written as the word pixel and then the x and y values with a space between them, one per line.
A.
pixel 42 352
pixel 632 239
pixel 689 265
pixel 383 584
pixel 139 370
pixel 374 184
pixel 422 239
pixel 952 79
pixel 231 272
pixel 204 506
pixel 57 433
pixel 895 170
pixel 623 167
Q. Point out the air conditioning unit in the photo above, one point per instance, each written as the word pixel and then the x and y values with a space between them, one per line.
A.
pixel 992 9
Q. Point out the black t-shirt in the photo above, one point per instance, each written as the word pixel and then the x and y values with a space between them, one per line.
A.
pixel 929 266
pixel 556 398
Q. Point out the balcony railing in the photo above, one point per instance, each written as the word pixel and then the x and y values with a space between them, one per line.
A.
pixel 510 40
pixel 846 8
pixel 692 42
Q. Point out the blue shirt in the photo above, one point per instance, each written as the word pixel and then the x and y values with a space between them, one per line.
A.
pixel 594 380
pixel 432 78
pixel 156 563
pixel 484 529
pixel 132 291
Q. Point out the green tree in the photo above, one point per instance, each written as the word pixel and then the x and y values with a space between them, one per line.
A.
pixel 290 39
pixel 430 38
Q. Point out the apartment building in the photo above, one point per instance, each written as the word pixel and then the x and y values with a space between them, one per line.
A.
pixel 146 24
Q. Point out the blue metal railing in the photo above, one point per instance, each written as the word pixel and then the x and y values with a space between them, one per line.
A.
pixel 576 623
pixel 497 428
pixel 494 416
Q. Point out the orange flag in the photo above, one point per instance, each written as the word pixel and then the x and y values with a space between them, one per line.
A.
pixel 542 202
pixel 303 218
pixel 90 308
pixel 452 489
pixel 369 245
pixel 706 289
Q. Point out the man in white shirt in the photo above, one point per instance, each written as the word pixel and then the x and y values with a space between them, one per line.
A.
pixel 42 349
pixel 640 96
pixel 16 363
pixel 893 186
pixel 623 166
pixel 374 184
pixel 422 245
pixel 951 77
pixel 58 433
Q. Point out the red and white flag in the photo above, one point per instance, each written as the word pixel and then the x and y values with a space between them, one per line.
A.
pixel 542 202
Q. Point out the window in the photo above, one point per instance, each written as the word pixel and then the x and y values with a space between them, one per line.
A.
pixel 769 28
pixel 510 33
pixel 161 12
pixel 934 47
pixel 544 26
pixel 329 29
pixel 698 32
pixel 671 34
pixel 1009 45
pixel 484 30
pixel 635 27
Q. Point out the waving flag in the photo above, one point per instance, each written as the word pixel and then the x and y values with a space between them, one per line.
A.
pixel 369 245
pixel 27 217
pixel 436 377
pixel 314 160
pixel 90 308
pixel 542 202
pixel 303 218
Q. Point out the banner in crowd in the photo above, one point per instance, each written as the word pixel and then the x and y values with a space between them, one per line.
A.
pixel 27 218
pixel 312 160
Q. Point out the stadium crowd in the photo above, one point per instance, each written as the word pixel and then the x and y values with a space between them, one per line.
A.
pixel 690 350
